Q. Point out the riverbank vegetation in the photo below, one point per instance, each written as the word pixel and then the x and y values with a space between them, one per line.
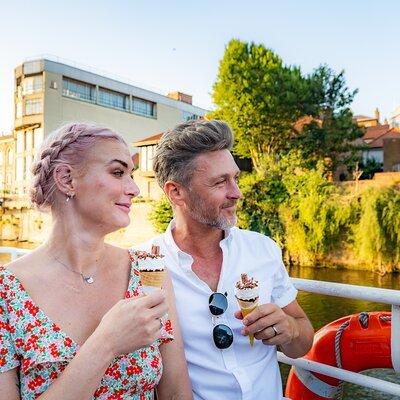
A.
pixel 319 223
pixel 298 130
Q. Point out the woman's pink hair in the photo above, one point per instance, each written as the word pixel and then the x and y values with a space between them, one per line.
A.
pixel 66 145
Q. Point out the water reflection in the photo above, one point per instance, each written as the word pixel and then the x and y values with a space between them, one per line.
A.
pixel 323 309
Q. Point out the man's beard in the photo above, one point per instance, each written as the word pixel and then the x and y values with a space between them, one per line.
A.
pixel 199 211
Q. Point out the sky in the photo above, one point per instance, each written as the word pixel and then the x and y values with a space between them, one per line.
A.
pixel 167 45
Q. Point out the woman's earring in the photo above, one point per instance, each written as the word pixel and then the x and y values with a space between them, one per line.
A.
pixel 69 196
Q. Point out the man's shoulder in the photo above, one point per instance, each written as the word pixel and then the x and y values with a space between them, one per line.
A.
pixel 254 238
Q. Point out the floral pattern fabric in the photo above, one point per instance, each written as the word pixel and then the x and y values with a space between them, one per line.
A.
pixel 30 341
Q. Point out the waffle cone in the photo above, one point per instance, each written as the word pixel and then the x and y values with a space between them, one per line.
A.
pixel 246 307
pixel 152 278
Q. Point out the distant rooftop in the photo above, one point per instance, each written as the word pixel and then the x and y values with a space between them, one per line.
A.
pixel 148 140
pixel 390 134
pixel 373 132
pixel 361 117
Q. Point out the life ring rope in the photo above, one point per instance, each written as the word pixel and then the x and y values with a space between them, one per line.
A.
pixel 338 357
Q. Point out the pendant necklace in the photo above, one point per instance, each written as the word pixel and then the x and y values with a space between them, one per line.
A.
pixel 89 279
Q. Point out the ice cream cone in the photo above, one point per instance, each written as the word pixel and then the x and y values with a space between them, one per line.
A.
pixel 246 307
pixel 152 278
pixel 151 269
pixel 247 293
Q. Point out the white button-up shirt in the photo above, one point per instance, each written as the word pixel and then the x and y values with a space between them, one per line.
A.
pixel 241 371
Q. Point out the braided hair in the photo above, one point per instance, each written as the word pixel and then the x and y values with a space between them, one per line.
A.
pixel 66 145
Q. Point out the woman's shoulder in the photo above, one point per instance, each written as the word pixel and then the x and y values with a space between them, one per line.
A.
pixel 118 253
pixel 23 267
pixel 11 275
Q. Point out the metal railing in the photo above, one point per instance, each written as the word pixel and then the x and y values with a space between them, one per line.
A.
pixel 13 251
pixel 385 296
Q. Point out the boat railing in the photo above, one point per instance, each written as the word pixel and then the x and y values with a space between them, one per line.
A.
pixel 378 295
pixel 13 251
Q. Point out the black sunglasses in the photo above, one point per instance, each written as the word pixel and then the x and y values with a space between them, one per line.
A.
pixel 222 334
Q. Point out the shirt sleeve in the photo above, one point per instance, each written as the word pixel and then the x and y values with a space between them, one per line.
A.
pixel 283 291
pixel 8 356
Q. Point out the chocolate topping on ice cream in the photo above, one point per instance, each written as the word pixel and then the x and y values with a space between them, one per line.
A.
pixel 246 282
pixel 141 254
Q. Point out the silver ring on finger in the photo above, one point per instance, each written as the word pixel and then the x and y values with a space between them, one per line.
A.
pixel 161 323
pixel 275 330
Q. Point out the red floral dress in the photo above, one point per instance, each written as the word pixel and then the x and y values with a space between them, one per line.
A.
pixel 31 342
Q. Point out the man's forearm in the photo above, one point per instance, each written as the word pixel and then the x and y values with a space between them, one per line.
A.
pixel 303 338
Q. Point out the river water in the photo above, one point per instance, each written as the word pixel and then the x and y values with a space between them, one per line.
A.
pixel 324 309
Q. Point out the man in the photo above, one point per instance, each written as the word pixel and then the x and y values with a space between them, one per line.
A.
pixel 206 255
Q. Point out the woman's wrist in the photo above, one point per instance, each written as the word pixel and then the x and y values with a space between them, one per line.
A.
pixel 99 345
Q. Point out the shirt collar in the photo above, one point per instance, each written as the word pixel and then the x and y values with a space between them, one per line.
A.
pixel 169 239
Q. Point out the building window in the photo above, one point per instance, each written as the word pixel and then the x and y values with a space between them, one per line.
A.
pixel 20 142
pixel 18 109
pixel 20 168
pixel 150 154
pixel 113 99
pixel 28 141
pixel 143 107
pixel 143 158
pixel 187 116
pixel 10 156
pixel 28 163
pixel 33 106
pixel 146 155
pixel 37 138
pixel 32 84
pixel 78 90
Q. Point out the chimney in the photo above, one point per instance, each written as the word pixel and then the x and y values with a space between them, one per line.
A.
pixel 377 114
pixel 186 98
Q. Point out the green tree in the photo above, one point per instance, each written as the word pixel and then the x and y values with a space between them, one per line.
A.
pixel 161 214
pixel 331 135
pixel 262 194
pixel 369 168
pixel 377 233
pixel 260 98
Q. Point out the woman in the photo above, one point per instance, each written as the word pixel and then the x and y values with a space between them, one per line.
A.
pixel 73 323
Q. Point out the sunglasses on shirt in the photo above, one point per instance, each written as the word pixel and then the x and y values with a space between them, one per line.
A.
pixel 222 334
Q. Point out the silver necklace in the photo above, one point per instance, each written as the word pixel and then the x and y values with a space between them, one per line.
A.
pixel 89 279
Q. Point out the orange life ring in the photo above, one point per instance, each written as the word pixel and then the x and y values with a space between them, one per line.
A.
pixel 362 342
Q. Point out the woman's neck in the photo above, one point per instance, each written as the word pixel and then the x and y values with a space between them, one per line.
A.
pixel 82 250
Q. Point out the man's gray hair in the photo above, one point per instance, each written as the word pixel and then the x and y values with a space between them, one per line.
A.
pixel 175 155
